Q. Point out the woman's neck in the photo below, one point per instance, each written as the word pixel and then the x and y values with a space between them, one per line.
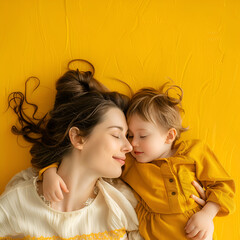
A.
pixel 80 182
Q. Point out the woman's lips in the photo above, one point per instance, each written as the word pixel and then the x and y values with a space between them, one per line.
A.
pixel 120 160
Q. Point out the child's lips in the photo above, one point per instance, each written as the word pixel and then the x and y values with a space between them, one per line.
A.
pixel 138 153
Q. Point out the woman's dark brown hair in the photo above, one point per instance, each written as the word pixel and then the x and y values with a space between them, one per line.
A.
pixel 81 101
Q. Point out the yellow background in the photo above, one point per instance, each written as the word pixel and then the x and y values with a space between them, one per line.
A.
pixel 142 42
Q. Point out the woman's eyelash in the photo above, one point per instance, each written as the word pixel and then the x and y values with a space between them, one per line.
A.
pixel 118 137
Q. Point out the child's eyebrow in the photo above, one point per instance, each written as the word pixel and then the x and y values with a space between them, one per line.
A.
pixel 141 129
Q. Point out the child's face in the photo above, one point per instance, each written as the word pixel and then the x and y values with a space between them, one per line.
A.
pixel 148 139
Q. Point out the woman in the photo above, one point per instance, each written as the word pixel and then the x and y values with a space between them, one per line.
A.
pixel 86 133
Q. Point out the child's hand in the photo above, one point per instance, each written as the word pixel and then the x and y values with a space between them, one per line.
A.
pixel 53 186
pixel 200 226
pixel 201 201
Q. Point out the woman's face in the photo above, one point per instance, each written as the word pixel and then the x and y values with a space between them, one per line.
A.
pixel 105 149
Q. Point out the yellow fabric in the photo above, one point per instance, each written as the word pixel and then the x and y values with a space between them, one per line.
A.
pixel 109 235
pixel 163 188
pixel 144 43
pixel 55 165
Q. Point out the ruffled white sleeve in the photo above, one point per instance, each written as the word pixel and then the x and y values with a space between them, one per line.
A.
pixel 20 177
pixel 124 197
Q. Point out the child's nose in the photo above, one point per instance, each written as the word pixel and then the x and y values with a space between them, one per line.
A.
pixel 134 142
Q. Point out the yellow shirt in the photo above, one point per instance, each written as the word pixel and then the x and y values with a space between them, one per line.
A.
pixel 164 185
pixel 163 188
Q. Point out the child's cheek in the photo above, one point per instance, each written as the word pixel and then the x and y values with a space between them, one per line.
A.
pixel 146 147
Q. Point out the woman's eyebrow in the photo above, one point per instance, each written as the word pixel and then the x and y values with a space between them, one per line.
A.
pixel 116 127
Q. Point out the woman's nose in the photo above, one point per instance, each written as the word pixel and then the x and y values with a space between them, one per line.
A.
pixel 127 146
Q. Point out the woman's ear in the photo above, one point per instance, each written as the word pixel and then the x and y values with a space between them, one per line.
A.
pixel 171 135
pixel 76 138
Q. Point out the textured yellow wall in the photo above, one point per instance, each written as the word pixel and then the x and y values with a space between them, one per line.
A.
pixel 195 43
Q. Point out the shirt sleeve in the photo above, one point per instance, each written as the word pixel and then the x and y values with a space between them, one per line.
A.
pixel 20 177
pixel 40 174
pixel 127 192
pixel 220 187
pixel 134 235
pixel 7 226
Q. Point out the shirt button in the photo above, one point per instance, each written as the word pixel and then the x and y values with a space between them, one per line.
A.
pixel 170 180
pixel 173 193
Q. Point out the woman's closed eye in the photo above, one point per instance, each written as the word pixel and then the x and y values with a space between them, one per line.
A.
pixel 116 136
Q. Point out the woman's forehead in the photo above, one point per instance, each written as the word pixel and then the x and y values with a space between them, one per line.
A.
pixel 114 117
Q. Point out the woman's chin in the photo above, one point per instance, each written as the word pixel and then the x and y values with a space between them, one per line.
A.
pixel 115 174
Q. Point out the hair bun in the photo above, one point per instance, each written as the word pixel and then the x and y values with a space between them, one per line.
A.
pixel 84 79
pixel 77 81
pixel 84 72
pixel 82 65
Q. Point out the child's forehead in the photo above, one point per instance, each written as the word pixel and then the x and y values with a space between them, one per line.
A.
pixel 147 117
pixel 138 121
pixel 136 117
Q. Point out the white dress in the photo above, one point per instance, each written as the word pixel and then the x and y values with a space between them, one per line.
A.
pixel 25 215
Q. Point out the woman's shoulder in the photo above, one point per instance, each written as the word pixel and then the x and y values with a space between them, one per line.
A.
pixel 120 201
pixel 20 180
pixel 17 195
pixel 124 189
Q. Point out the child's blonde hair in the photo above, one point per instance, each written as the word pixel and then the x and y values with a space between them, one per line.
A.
pixel 158 107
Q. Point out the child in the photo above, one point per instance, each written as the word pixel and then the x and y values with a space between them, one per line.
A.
pixel 162 168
